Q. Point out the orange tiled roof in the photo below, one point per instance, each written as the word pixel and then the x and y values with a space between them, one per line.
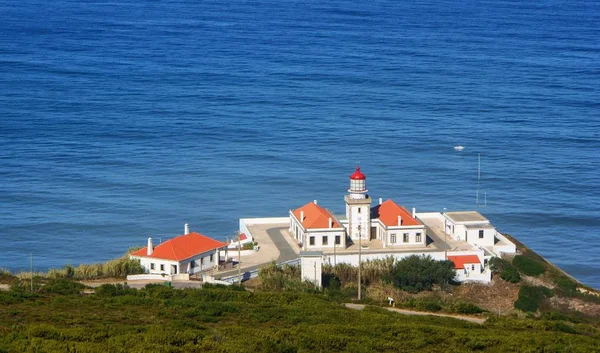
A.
pixel 461 260
pixel 182 247
pixel 389 211
pixel 315 216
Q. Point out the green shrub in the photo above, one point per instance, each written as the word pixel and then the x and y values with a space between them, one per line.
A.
pixel 530 297
pixel 507 271
pixel 111 290
pixel 566 284
pixel 528 265
pixel 510 274
pixel 466 308
pixel 427 305
pixel 418 273
pixel 62 286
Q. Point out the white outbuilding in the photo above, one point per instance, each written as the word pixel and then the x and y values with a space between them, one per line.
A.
pixel 188 253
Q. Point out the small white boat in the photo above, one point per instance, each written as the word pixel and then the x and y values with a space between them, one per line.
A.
pixel 459 148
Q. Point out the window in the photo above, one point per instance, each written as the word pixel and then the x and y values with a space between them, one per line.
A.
pixel 212 257
pixel 201 261
pixel 162 267
pixel 192 264
pixel 405 237
pixel 418 238
pixel 324 240
pixel 311 241
pixel 481 234
pixel 393 238
pixel 472 267
pixel 152 266
pixel 338 240
pixel 359 209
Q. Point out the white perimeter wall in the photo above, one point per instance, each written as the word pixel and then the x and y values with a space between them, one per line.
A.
pixel 311 269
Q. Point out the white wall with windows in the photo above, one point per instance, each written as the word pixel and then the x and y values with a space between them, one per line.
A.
pixel 480 235
pixel 201 262
pixel 324 238
pixel 402 236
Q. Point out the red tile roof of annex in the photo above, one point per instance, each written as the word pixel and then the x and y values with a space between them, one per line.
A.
pixel 389 212
pixel 461 260
pixel 182 247
pixel 315 216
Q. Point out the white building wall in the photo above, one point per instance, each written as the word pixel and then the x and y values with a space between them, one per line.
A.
pixel 399 232
pixel 474 239
pixel 318 235
pixel 359 215
pixel 167 268
pixel 182 266
pixel 473 273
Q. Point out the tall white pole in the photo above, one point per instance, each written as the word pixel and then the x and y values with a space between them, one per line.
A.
pixel 478 177
pixel 239 260
pixel 359 263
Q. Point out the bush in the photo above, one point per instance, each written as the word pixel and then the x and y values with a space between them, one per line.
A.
pixel 63 286
pixel 507 271
pixel 111 290
pixel 528 266
pixel 418 273
pixel 530 297
pixel 566 284
pixel 466 308
pixel 510 274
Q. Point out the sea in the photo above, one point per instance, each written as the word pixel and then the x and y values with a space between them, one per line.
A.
pixel 124 119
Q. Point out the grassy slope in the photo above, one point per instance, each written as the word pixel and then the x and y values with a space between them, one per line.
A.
pixel 161 319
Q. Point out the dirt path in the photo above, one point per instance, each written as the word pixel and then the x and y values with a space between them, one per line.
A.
pixel 420 313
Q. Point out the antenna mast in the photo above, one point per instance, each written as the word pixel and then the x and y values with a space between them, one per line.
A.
pixel 478 178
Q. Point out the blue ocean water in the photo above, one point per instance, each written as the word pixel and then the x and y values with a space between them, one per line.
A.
pixel 125 119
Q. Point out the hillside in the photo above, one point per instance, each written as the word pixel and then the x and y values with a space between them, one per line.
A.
pixel 162 319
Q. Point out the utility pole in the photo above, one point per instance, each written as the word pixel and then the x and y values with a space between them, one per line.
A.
pixel 445 233
pixel 359 263
pixel 239 260
pixel 31 269
pixel 334 262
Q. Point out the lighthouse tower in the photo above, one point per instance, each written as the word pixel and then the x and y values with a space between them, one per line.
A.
pixel 358 207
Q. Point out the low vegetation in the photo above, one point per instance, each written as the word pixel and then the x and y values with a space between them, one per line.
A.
pixel 117 268
pixel 231 319
pixel 531 297
pixel 528 265
pixel 505 269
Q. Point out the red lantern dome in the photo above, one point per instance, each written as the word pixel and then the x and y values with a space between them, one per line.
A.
pixel 357 175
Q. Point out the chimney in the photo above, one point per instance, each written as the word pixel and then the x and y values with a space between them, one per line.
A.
pixel 150 249
pixel 186 229
pixel 414 212
pixel 399 220
pixel 301 216
pixel 330 222
pixel 380 200
pixel 315 201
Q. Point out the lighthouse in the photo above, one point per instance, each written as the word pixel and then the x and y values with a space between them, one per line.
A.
pixel 358 207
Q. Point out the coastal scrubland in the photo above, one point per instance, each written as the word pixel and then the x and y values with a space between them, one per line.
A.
pixel 530 306
pixel 158 318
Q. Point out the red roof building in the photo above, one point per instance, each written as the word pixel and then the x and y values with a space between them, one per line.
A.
pixel 315 216
pixel 461 260
pixel 388 213
pixel 182 247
